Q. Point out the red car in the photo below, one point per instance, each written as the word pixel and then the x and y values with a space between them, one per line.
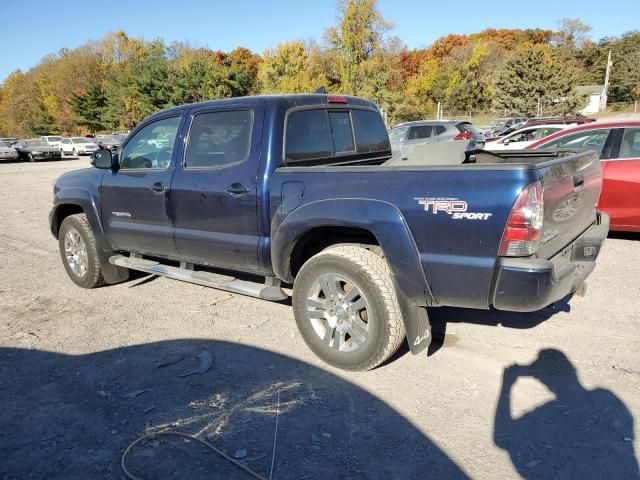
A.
pixel 619 146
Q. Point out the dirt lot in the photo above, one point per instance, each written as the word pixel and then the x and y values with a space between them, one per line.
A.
pixel 82 376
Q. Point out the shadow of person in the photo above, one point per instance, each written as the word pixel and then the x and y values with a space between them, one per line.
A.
pixel 442 316
pixel 72 416
pixel 581 434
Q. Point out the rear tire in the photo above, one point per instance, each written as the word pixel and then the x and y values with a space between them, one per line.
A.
pixel 79 252
pixel 353 331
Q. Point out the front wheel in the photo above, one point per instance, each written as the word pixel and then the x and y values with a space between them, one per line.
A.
pixel 30 157
pixel 346 307
pixel 79 253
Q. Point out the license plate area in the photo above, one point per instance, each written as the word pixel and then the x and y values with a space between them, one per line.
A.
pixel 585 252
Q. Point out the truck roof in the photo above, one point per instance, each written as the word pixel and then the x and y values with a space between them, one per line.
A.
pixel 286 100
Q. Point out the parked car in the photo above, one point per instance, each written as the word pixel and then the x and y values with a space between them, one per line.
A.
pixel 524 137
pixel 7 152
pixel 618 145
pixel 557 121
pixel 52 140
pixel 295 189
pixel 110 142
pixel 503 126
pixel 34 149
pixel 78 146
pixel 407 135
pixel 9 140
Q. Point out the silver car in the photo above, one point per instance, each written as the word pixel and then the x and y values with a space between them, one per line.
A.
pixel 7 153
pixel 434 131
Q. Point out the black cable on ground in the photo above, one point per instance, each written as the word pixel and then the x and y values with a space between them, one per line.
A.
pixel 183 435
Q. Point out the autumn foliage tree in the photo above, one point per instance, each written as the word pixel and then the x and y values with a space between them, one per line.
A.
pixel 114 82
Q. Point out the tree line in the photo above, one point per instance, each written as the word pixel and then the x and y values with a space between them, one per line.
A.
pixel 113 83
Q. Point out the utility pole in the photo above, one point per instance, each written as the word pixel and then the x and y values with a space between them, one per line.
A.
pixel 606 79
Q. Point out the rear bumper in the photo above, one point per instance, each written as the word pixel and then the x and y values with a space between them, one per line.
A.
pixel 530 284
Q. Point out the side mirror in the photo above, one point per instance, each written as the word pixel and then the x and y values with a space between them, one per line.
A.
pixel 102 159
pixel 506 141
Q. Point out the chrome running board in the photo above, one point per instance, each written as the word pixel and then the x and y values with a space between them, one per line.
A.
pixel 270 290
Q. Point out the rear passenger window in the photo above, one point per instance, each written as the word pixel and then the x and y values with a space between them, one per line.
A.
pixel 341 131
pixel 418 132
pixel 308 135
pixel 440 129
pixel 218 139
pixel 371 134
pixel 322 134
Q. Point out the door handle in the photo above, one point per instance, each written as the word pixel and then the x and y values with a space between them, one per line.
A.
pixel 159 187
pixel 237 189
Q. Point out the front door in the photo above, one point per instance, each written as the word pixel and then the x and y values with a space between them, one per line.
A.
pixel 621 182
pixel 214 189
pixel 135 198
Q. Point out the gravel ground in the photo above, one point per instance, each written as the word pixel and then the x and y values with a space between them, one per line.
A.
pixel 82 375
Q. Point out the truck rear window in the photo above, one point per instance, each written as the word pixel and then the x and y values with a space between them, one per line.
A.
pixel 325 136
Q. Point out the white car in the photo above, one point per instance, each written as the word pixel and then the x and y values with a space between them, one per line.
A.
pixel 524 137
pixel 52 140
pixel 78 146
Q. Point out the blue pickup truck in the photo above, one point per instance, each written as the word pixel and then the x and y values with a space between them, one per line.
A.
pixel 298 195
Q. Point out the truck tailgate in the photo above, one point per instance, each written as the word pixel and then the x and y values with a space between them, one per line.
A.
pixel 571 188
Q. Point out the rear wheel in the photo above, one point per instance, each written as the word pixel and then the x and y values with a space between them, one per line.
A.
pixel 79 253
pixel 346 308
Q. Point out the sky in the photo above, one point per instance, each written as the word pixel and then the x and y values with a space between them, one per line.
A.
pixel 31 29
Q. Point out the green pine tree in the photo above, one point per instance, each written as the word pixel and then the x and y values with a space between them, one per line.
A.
pixel 531 79
pixel 90 108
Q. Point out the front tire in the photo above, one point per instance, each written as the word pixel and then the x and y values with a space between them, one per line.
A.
pixel 79 252
pixel 30 157
pixel 346 308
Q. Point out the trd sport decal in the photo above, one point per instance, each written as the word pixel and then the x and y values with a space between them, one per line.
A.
pixel 452 206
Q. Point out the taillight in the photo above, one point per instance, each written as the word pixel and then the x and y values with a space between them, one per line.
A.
pixel 336 99
pixel 463 136
pixel 522 234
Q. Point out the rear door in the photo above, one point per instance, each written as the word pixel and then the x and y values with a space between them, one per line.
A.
pixel 417 137
pixel 214 189
pixel 135 198
pixel 621 185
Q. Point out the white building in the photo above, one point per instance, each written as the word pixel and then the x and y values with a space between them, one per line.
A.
pixel 596 98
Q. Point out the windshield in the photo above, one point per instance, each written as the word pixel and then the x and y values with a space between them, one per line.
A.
pixel 110 139
pixel 500 122
pixel 35 143
pixel 81 140
pixel 54 139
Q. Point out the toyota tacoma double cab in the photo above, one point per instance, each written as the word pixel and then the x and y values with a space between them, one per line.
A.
pixel 298 195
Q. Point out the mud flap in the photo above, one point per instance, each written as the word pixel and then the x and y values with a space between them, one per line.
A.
pixel 111 273
pixel 417 325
